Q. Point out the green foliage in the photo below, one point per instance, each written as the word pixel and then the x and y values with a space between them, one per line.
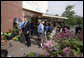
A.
pixel 32 54
pixel 75 51
pixel 75 44
pixel 78 20
pixel 72 19
pixel 62 24
pixel 68 11
pixel 54 53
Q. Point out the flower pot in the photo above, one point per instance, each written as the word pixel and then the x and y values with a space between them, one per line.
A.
pixel 2 37
pixel 3 42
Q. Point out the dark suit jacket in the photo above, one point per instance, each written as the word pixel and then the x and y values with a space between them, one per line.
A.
pixel 26 28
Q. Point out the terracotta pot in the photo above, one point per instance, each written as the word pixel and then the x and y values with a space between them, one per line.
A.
pixel 3 37
pixel 3 42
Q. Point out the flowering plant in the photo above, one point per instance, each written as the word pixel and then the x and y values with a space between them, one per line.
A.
pixel 33 54
pixel 12 33
pixel 16 38
pixel 7 34
pixel 63 35
pixel 64 47
pixel 67 51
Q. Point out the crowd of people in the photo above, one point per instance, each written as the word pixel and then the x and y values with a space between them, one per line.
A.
pixel 26 28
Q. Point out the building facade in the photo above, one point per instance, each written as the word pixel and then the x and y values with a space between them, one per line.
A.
pixel 9 10
pixel 34 8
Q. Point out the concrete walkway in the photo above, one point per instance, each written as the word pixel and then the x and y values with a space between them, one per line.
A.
pixel 18 49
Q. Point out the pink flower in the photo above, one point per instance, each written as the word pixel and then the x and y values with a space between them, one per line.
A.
pixel 52 41
pixel 59 55
pixel 67 50
pixel 49 42
pixel 54 48
pixel 46 44
pixel 66 30
pixel 51 45
pixel 44 54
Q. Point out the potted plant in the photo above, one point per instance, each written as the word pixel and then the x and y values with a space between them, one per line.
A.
pixel 3 40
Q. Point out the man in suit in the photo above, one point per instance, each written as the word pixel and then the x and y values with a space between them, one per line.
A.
pixel 26 31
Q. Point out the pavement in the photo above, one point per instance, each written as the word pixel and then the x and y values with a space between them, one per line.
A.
pixel 18 49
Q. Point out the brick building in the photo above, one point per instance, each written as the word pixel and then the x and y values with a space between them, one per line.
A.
pixel 9 10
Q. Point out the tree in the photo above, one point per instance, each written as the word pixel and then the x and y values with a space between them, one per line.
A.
pixel 56 15
pixel 78 20
pixel 69 13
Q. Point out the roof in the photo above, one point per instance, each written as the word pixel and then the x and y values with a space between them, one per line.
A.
pixel 53 16
pixel 48 15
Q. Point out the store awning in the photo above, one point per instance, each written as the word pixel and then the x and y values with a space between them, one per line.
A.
pixel 53 16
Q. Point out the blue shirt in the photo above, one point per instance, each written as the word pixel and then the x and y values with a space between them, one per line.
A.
pixel 20 24
pixel 40 28
pixel 46 27
pixel 51 28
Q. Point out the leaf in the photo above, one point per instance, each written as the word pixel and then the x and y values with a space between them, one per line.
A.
pixel 73 51
pixel 32 54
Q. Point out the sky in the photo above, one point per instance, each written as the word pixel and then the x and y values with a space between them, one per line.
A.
pixel 58 7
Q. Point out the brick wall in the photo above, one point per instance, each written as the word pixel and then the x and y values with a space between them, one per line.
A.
pixel 9 10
